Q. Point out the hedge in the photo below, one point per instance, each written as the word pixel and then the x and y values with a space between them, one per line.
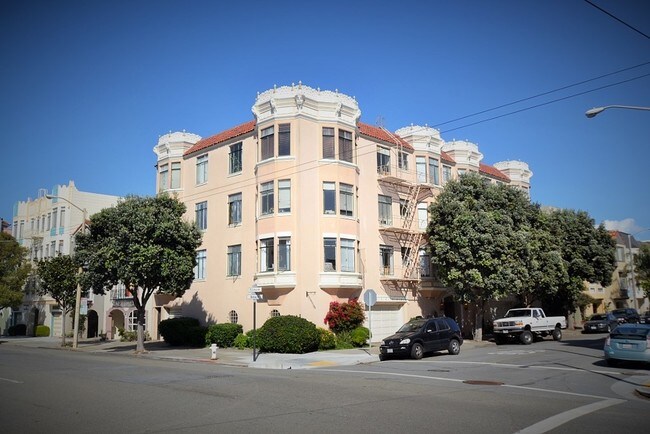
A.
pixel 288 334
pixel 223 334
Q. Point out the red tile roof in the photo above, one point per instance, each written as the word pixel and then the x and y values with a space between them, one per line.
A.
pixel 446 157
pixel 381 134
pixel 223 136
pixel 493 172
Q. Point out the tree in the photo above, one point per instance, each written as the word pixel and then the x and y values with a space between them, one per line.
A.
pixel 588 253
pixel 479 236
pixel 144 243
pixel 642 268
pixel 14 269
pixel 58 277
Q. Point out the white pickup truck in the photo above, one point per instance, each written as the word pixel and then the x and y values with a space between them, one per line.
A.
pixel 528 323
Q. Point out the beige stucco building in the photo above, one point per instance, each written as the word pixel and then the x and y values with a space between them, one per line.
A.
pixel 312 205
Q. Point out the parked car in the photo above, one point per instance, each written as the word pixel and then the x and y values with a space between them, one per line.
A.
pixel 628 342
pixel 627 314
pixel 420 336
pixel 644 318
pixel 600 323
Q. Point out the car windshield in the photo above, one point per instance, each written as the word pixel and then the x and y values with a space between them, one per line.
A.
pixel 598 317
pixel 411 326
pixel 636 333
pixel 618 313
pixel 517 313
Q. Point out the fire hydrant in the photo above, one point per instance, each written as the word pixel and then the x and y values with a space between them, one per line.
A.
pixel 213 349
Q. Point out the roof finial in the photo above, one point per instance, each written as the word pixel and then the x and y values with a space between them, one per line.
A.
pixel 299 84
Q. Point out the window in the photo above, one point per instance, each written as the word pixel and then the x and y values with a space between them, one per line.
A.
pixel 62 218
pixel 133 321
pixel 346 200
pixel 164 177
pixel 345 146
pixel 49 224
pixel 61 247
pixel 284 196
pixel 267 143
pixel 52 248
pixel 201 215
pixel 446 174
pixel 31 225
pixel 461 172
pixel 347 255
pixel 234 260
pixel 386 260
pixel 383 161
pixel 406 252
pixel 233 317
pixel 284 254
pixel 284 139
pixel 47 251
pixel 176 175
pixel 423 216
pixel 267 198
pixel 199 270
pixel 275 313
pixel 403 207
pixel 329 198
pixel 234 158
pixel 330 254
pixel 385 210
pixel 22 228
pixel 328 143
pixel 266 255
pixel 620 257
pixel 234 209
pixel 421 169
pixel 403 161
pixel 202 169
pixel 425 263
pixel 434 172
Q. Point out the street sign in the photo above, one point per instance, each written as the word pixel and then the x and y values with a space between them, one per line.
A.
pixel 83 307
pixel 370 298
pixel 254 289
pixel 254 296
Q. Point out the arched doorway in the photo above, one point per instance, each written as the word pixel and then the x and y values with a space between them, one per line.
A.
pixel 93 324
pixel 117 322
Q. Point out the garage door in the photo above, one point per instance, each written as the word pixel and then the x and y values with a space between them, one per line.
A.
pixel 385 321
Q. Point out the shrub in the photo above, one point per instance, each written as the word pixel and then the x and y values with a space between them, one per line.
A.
pixel 42 330
pixel 288 334
pixel 344 317
pixel 177 331
pixel 196 336
pixel 327 339
pixel 344 341
pixel 17 330
pixel 359 336
pixel 242 341
pixel 223 334
pixel 131 336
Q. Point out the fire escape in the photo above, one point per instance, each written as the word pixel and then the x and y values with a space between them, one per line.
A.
pixel 408 235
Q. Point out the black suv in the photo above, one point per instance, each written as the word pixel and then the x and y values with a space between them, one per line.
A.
pixel 423 335
pixel 626 315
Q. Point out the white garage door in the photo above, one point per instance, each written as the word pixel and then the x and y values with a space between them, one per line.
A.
pixel 385 321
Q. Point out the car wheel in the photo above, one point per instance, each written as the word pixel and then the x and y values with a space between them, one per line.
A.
pixel 454 347
pixel 500 339
pixel 557 334
pixel 417 351
pixel 526 337
pixel 382 357
pixel 612 362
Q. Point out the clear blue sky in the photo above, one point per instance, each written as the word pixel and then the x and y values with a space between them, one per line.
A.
pixel 87 87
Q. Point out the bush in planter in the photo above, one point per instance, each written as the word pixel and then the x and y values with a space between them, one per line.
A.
pixel 327 339
pixel 223 334
pixel 42 331
pixel 288 334
pixel 179 331
pixel 359 336
pixel 242 341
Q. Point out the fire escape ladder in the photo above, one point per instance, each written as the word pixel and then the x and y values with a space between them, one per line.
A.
pixel 410 262
pixel 411 206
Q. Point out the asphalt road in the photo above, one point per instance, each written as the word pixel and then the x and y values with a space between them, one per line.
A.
pixel 545 387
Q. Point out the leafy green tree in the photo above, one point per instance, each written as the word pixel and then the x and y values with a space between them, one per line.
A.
pixel 144 243
pixel 58 278
pixel 14 269
pixel 480 239
pixel 642 268
pixel 588 253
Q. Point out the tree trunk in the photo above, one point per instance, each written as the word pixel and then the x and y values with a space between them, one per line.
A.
pixel 140 345
pixel 478 318
pixel 63 315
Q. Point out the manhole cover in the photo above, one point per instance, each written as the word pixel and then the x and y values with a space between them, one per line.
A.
pixel 483 382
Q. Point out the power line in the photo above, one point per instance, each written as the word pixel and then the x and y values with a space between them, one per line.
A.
pixel 618 19
pixel 542 94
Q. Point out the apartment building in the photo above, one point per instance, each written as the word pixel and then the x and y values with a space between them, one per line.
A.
pixel 312 205
pixel 46 226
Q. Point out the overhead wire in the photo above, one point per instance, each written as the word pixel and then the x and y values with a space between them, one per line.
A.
pixel 617 19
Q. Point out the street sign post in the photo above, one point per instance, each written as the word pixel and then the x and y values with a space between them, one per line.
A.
pixel 370 298
pixel 254 294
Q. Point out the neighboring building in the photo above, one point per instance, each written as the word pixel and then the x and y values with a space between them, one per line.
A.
pixel 46 227
pixel 5 226
pixel 624 290
pixel 313 206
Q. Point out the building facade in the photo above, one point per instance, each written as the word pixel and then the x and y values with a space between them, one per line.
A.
pixel 46 226
pixel 312 205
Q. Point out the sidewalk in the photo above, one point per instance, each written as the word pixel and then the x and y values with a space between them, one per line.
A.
pixel 225 356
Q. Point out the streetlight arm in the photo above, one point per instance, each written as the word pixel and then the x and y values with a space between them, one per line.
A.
pixel 596 110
